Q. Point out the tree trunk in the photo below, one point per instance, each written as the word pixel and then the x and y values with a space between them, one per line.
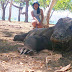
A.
pixel 49 11
pixel 26 14
pixel 19 13
pixel 4 5
pixel 3 12
pixel 10 11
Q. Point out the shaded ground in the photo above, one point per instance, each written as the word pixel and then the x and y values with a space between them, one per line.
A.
pixel 12 61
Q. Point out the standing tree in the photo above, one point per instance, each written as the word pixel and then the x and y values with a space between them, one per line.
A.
pixel 19 7
pixel 4 4
pixel 19 13
pixel 26 9
pixel 20 2
pixel 60 5
pixel 10 8
pixel 49 11
pixel 26 14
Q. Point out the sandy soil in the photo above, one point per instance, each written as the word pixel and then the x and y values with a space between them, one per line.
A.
pixel 12 61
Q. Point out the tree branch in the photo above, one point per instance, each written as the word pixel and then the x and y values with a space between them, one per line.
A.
pixel 7 3
pixel 23 13
pixel 16 6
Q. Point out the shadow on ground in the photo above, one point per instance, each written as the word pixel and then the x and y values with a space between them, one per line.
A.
pixel 12 61
pixel 6 46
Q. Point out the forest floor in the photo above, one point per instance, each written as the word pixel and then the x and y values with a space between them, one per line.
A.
pixel 12 61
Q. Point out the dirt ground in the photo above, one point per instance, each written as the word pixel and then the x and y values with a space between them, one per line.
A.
pixel 12 61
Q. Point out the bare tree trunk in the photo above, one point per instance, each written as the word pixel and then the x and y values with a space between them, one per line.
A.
pixel 19 13
pixel 49 11
pixel 26 14
pixel 3 12
pixel 10 11
pixel 4 5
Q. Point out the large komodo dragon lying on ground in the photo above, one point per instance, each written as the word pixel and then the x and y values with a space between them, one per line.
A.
pixel 38 39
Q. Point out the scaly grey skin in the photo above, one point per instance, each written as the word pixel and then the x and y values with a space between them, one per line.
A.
pixel 35 40
pixel 43 38
pixel 63 33
pixel 63 30
pixel 20 37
